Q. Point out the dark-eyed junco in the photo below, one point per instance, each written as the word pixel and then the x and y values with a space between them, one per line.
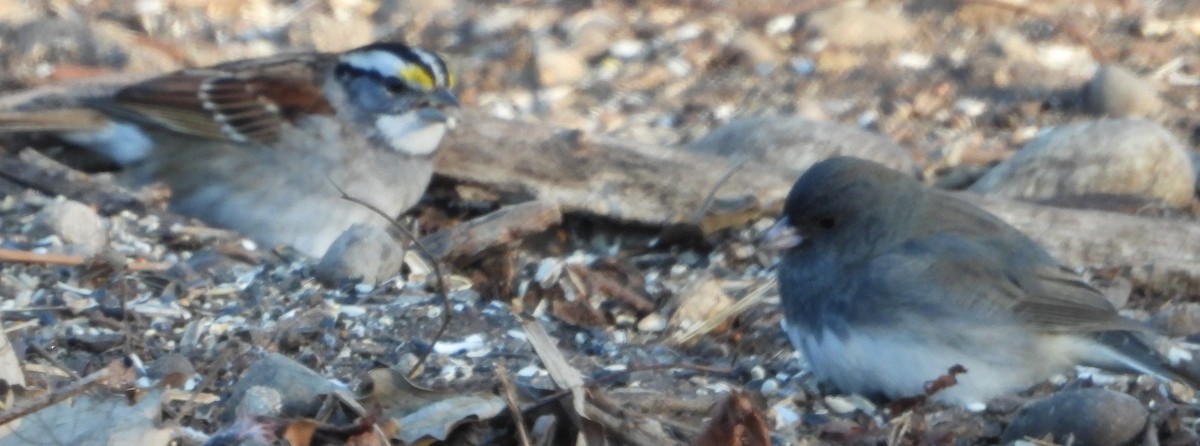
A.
pixel 886 285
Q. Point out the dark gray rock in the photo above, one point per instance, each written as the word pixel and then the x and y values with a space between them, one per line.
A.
pixel 299 388
pixel 1093 416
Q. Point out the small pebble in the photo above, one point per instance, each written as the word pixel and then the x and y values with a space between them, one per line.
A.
pixel 364 254
pixel 79 227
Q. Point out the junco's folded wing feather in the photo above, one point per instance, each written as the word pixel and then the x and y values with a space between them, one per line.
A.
pixel 1058 301
pixel 963 274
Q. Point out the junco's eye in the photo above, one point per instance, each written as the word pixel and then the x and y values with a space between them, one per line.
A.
pixel 826 223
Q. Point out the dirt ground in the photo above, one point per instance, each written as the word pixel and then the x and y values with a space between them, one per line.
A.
pixel 959 84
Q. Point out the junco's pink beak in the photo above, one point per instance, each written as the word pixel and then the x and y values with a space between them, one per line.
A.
pixel 781 236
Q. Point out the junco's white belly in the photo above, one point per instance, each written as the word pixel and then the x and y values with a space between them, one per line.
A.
pixel 899 364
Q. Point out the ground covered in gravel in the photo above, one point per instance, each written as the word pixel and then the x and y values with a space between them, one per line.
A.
pixel 593 326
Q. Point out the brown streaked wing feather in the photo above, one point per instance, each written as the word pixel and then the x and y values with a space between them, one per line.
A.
pixel 180 102
pixel 295 98
pixel 220 105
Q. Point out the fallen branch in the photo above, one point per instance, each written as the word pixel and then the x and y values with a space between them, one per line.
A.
pixel 19 256
pixel 505 225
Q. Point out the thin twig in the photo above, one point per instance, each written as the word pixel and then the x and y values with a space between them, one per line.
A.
pixel 622 373
pixel 442 289
pixel 41 351
pixel 752 298
pixel 510 397
pixel 33 405
pixel 698 216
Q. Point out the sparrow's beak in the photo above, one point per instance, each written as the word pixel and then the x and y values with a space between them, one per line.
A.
pixel 435 101
pixel 781 236
pixel 443 98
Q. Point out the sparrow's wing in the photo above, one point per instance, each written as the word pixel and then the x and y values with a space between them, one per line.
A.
pixel 219 105
pixel 970 275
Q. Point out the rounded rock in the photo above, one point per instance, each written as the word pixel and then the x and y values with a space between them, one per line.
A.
pixel 797 143
pixel 1108 157
pixel 362 254
pixel 851 26
pixel 77 224
pixel 297 387
pixel 1118 92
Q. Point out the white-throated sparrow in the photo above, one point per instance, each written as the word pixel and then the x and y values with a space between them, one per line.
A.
pixel 258 145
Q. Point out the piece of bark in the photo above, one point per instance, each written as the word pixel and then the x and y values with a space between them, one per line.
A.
pixel 498 228
pixel 602 175
pixel 1163 254
pixel 34 170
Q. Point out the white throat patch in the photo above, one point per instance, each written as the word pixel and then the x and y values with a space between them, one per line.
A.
pixel 409 134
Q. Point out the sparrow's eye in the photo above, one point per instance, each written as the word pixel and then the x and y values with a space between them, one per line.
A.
pixel 827 223
pixel 394 86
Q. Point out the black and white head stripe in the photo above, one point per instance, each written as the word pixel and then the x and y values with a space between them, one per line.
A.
pixel 417 68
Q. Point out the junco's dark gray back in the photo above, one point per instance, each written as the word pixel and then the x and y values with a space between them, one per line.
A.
pixel 891 284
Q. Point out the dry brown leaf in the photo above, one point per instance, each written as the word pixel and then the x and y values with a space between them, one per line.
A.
pixel 415 415
pixel 736 422
pixel 300 432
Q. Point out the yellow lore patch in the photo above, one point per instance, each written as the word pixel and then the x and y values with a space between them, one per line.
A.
pixel 417 75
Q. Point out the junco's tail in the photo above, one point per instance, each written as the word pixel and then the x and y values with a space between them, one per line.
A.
pixel 1129 351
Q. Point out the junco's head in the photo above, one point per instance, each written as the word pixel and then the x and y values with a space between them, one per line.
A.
pixel 886 285
pixel 849 202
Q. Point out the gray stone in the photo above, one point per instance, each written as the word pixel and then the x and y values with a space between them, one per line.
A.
pixel 361 254
pixel 1178 319
pixel 797 143
pixel 260 401
pixel 76 224
pixel 299 388
pixel 175 368
pixel 1092 416
pixel 1108 157
pixel 1115 91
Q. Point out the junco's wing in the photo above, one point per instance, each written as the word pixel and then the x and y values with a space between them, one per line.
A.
pixel 969 242
pixel 952 277
pixel 954 274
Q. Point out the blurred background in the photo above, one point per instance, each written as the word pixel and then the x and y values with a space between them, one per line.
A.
pixel 958 84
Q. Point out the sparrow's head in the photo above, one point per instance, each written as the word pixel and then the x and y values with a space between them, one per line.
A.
pixel 403 91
